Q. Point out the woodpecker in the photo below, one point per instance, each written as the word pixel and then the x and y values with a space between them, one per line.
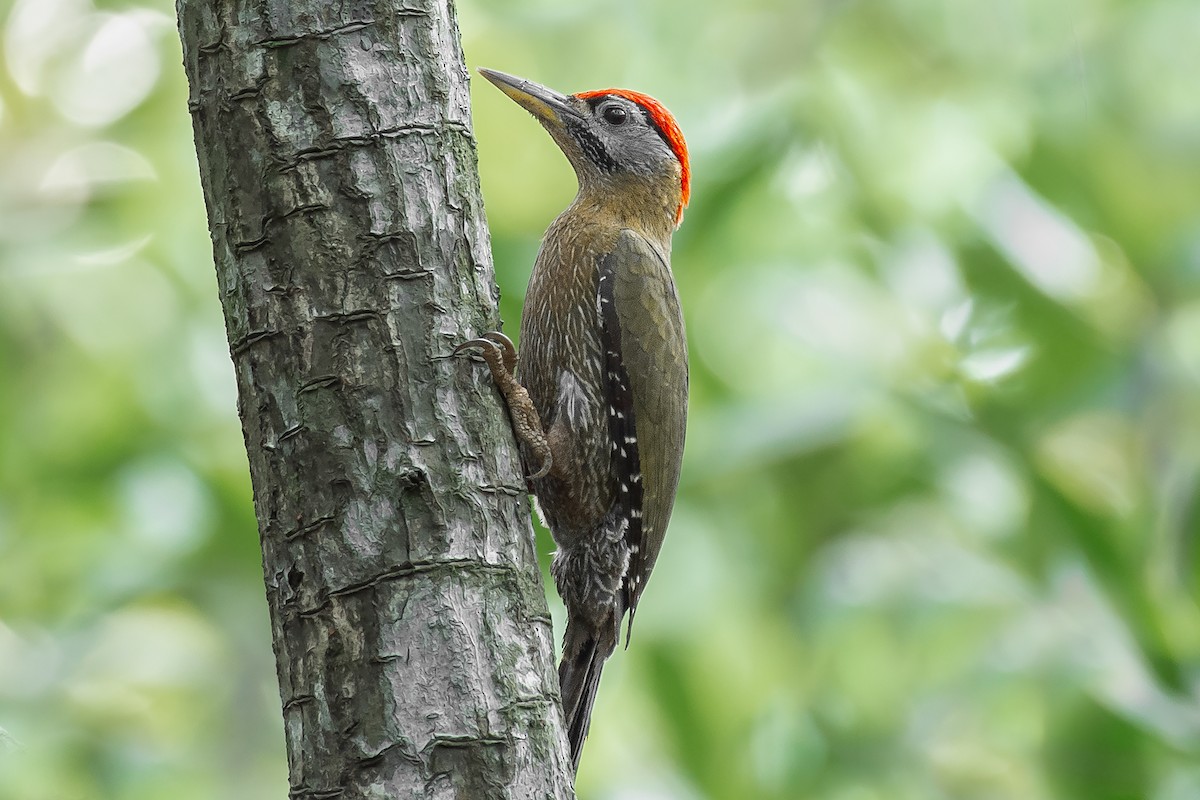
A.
pixel 599 395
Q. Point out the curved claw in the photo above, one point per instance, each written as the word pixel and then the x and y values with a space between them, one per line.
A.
pixel 509 350
pixel 547 463
pixel 474 343
pixel 498 341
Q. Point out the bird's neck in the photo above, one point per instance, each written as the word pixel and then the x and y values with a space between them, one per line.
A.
pixel 647 207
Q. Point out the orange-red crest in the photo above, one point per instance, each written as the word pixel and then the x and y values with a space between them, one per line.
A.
pixel 670 130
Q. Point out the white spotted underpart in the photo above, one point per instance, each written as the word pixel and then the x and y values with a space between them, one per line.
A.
pixel 573 400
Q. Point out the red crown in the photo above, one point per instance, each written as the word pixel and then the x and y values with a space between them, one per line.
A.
pixel 670 130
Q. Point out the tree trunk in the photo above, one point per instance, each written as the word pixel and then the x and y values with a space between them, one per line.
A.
pixel 413 644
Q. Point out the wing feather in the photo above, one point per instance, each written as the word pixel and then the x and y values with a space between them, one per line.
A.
pixel 646 387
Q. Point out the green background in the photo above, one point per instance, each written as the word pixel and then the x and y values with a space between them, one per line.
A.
pixel 937 532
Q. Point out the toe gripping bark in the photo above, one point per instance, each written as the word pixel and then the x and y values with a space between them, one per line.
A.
pixel 501 357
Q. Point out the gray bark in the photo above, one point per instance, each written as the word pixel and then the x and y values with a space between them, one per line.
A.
pixel 413 643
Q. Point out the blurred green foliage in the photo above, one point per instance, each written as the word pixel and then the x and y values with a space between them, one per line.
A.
pixel 937 535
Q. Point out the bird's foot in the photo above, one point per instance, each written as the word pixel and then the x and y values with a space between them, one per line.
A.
pixel 501 357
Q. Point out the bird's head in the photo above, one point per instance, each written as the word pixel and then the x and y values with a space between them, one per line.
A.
pixel 618 140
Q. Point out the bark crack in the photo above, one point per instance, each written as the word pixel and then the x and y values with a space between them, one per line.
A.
pixel 288 41
pixel 341 144
pixel 267 221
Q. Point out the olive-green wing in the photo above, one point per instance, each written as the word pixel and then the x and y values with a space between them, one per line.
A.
pixel 647 382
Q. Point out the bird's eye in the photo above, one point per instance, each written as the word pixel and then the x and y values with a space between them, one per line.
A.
pixel 615 115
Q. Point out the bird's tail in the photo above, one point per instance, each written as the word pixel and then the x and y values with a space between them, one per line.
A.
pixel 584 652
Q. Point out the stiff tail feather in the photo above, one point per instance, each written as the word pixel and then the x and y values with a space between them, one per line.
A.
pixel 584 654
